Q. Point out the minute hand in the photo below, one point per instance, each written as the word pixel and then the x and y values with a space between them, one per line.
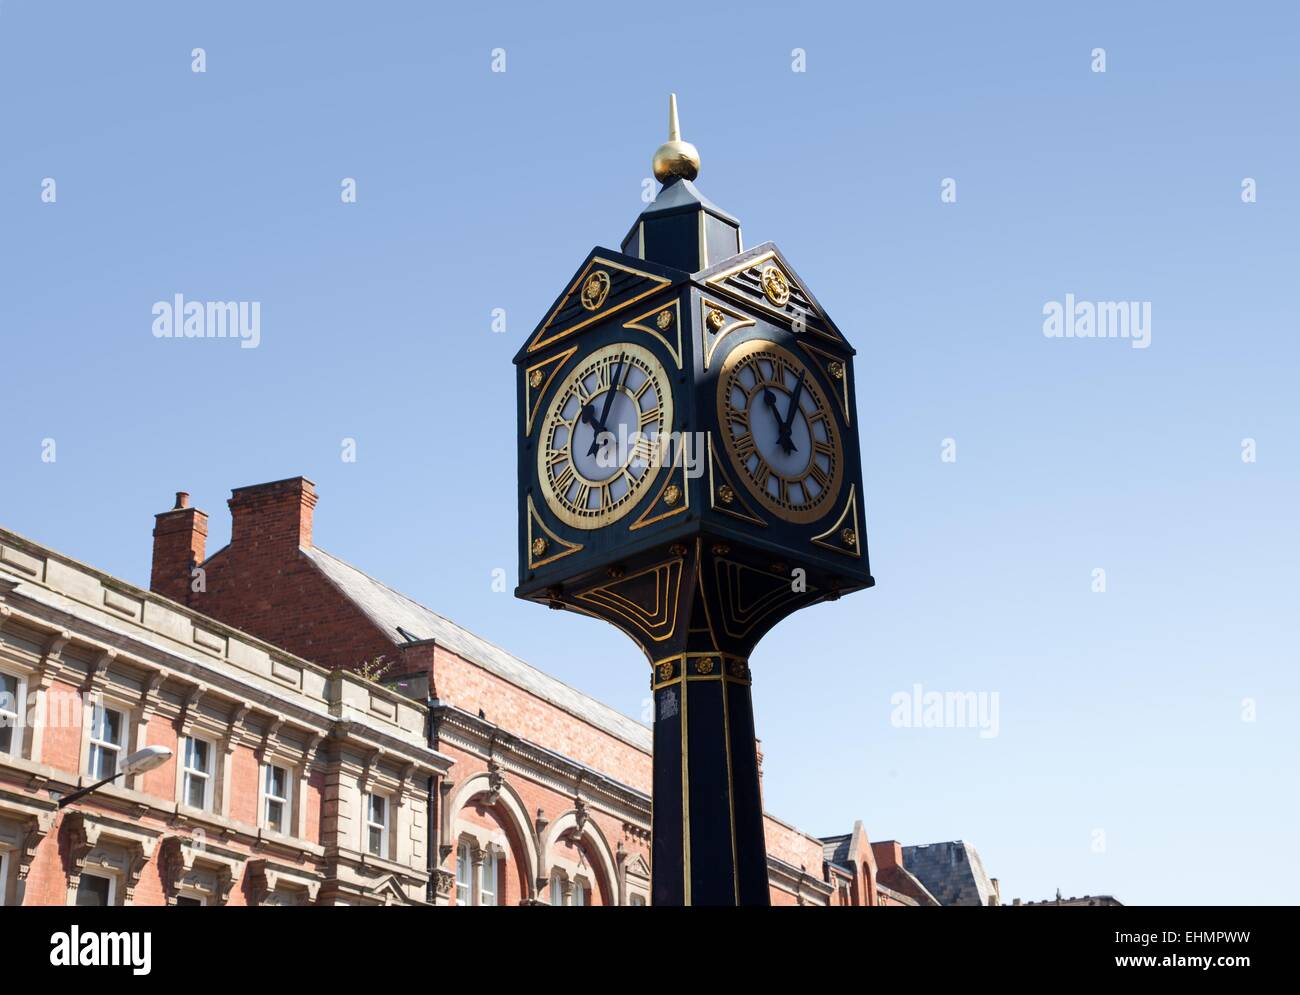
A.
pixel 783 436
pixel 600 429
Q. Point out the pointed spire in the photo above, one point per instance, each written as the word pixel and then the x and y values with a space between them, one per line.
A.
pixel 675 158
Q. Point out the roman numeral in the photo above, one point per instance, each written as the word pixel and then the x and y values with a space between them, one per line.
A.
pixel 649 416
pixel 818 474
pixel 761 475
pixel 565 480
pixel 645 451
pixel 744 445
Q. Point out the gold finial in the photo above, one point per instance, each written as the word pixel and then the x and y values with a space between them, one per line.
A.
pixel 675 157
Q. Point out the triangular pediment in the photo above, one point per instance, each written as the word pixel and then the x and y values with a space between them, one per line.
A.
pixel 606 284
pixel 763 279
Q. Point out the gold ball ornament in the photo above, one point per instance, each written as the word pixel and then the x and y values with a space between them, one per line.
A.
pixel 675 158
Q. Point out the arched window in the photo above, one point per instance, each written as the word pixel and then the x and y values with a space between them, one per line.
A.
pixel 557 888
pixel 487 888
pixel 463 874
pixel 579 893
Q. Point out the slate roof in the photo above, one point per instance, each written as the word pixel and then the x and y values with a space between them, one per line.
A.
pixel 389 609
pixel 952 872
pixel 835 849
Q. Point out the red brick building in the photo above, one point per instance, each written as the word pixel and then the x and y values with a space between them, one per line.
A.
pixel 287 784
pixel 467 777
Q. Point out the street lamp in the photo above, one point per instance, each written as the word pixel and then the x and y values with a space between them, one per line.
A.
pixel 137 763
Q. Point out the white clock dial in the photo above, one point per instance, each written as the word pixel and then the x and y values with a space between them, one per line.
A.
pixel 598 449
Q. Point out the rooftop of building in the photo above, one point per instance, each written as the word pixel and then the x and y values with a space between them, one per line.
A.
pixel 393 611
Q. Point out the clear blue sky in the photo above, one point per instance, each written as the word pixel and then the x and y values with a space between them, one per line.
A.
pixel 1119 712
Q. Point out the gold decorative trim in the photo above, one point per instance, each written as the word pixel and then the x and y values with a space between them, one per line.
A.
pixel 844 538
pixel 565 547
pixel 683 493
pixel 699 666
pixel 776 288
pixel 719 283
pixel 541 340
pixel 641 324
pixel 595 290
pixel 731 582
pixel 708 347
pixel 839 381
pixel 737 507
pixel 657 621
pixel 538 378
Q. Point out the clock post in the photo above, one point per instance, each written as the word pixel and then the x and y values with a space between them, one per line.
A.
pixel 689 472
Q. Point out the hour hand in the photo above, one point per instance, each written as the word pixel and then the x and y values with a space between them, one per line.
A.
pixel 588 417
pixel 782 429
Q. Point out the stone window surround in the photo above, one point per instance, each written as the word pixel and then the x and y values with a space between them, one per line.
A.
pixel 202 870
pixel 484 844
pixel 210 777
pixel 105 846
pixel 112 702
pixel 272 883
pixel 19 707
pixel 633 877
pixel 22 827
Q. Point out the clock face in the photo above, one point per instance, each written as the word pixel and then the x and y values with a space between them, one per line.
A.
pixel 779 432
pixel 598 450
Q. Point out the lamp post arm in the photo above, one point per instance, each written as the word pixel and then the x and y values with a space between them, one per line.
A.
pixel 82 792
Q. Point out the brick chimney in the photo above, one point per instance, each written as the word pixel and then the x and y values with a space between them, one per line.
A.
pixel 180 538
pixel 888 853
pixel 272 517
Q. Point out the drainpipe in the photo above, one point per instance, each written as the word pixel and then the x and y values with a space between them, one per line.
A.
pixel 431 813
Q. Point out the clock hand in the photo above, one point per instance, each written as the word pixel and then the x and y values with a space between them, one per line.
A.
pixel 609 401
pixel 770 400
pixel 784 437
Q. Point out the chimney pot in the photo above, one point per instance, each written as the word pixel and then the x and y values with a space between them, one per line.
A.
pixel 182 500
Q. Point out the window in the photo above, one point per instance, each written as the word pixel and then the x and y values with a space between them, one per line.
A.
pixel 275 793
pixel 94 889
pixel 376 828
pixel 107 734
pixel 579 893
pixel 12 698
pixel 638 900
pixel 196 790
pixel 463 866
pixel 4 875
pixel 190 900
pixel 487 887
pixel 557 888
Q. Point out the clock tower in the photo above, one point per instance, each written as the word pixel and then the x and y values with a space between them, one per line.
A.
pixel 689 472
